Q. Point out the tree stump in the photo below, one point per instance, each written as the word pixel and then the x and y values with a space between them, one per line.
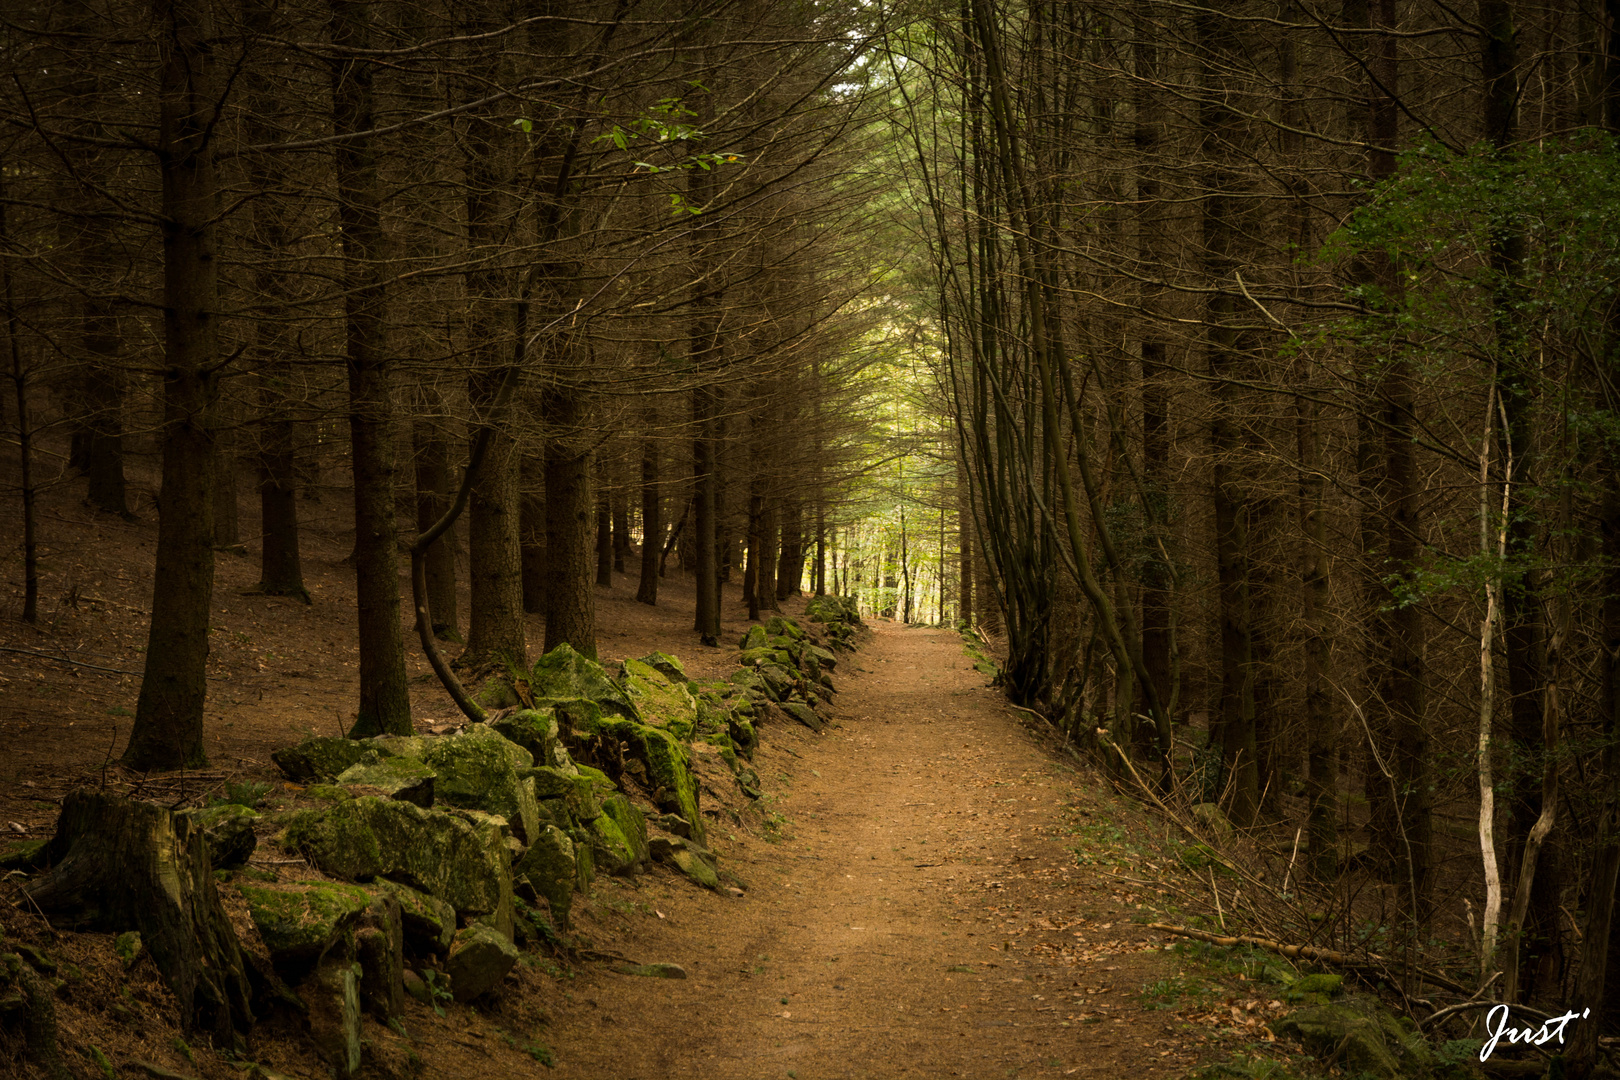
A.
pixel 120 865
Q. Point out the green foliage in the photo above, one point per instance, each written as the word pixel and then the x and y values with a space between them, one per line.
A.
pixel 438 990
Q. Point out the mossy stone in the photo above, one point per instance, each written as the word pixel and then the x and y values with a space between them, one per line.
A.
pixel 551 783
pixel 410 746
pixel 551 868
pixel 1313 989
pixel 1214 821
pixel 666 665
pixel 428 922
pixel 128 946
pixel 660 701
pixel 667 764
pixel 611 850
pixel 459 858
pixel 536 730
pixel 321 758
pixel 404 778
pixel 477 769
pixel 804 714
pixel 564 674
pixel 753 639
pixel 227 832
pixel 24 854
pixel 784 626
pixel 631 823
pixel 479 959
pixel 300 921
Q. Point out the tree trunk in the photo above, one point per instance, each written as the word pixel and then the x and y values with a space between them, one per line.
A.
pixel 1321 739
pixel 435 489
pixel 756 540
pixel 707 621
pixel 119 865
pixel 652 524
pixel 1222 130
pixel 25 430
pixel 1597 938
pixel 495 615
pixel 103 419
pixel 570 599
pixel 385 703
pixel 168 729
pixel 620 501
pixel 765 584
pixel 604 530
pixel 532 533
pixel 227 527
pixel 790 567
pixel 281 571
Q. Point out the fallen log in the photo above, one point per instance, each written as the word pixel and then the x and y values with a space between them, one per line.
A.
pixel 1373 964
pixel 119 865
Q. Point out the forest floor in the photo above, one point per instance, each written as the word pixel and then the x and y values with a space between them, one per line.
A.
pixel 934 888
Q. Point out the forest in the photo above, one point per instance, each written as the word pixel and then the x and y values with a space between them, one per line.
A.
pixel 1245 376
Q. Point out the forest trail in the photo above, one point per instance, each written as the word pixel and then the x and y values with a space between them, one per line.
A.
pixel 923 914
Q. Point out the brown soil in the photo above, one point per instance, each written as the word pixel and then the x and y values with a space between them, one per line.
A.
pixel 914 904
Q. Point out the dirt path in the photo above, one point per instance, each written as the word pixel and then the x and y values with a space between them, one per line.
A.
pixel 923 914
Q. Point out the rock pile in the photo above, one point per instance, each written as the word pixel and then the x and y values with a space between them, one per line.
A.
pixel 442 855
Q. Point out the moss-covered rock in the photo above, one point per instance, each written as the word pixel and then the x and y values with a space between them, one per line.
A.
pixel 428 922
pixel 456 856
pixel 665 766
pixel 536 730
pixel 1313 989
pixel 611 851
pixel 551 869
pixel 753 639
pixel 300 921
pixel 590 787
pixel 409 746
pixel 661 701
pixel 333 996
pixel 666 665
pixel 631 823
pixel 782 626
pixel 804 714
pixel 478 770
pixel 564 675
pixel 1213 820
pixel 24 855
pixel 689 857
pixel 779 681
pixel 767 655
pixel 321 758
pixel 404 778
pixel 552 783
pixel 228 833
pixel 1361 1038
pixel 479 960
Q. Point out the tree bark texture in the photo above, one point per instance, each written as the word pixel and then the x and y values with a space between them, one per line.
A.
pixel 435 490
pixel 120 865
pixel 385 705
pixel 570 598
pixel 168 729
